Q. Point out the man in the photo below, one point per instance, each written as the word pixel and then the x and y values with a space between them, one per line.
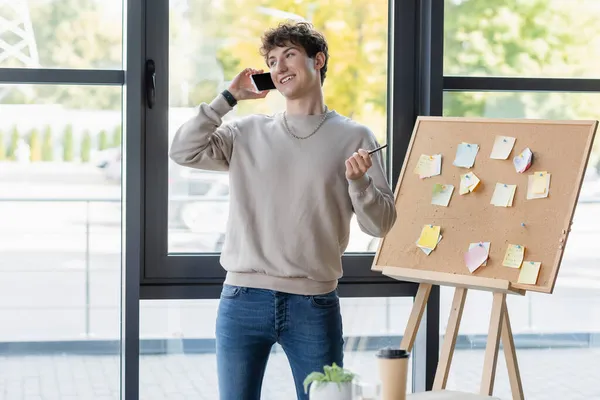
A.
pixel 296 178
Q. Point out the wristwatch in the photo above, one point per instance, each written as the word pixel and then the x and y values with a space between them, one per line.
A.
pixel 229 97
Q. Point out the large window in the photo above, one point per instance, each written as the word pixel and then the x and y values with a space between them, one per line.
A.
pixel 522 38
pixel 498 59
pixel 60 242
pixel 60 198
pixel 177 346
pixel 187 209
pixel 77 34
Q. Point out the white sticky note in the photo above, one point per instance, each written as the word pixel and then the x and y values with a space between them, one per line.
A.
pixel 522 162
pixel 441 194
pixel 503 145
pixel 465 155
pixel 468 183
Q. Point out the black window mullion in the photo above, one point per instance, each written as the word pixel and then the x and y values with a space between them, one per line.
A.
pixel 514 84
pixel 52 76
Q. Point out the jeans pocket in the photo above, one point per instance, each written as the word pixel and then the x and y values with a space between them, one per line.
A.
pixel 328 300
pixel 230 291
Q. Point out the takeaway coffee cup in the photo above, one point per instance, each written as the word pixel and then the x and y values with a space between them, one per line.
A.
pixel 393 369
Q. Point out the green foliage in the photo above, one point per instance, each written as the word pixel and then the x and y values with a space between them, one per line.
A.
pixel 68 144
pixel 75 34
pixel 86 147
pixel 2 147
pixel 102 140
pixel 35 146
pixel 535 38
pixel 47 145
pixel 14 142
pixel 116 139
pixel 331 373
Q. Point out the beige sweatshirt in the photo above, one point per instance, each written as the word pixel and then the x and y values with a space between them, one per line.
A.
pixel 290 202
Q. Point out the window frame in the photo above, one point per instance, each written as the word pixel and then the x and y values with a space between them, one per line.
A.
pixel 173 271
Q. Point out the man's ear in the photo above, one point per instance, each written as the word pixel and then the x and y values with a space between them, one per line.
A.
pixel 319 60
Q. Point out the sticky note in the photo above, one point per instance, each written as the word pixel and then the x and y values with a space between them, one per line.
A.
pixel 529 272
pixel 441 194
pixel 484 244
pixel 476 256
pixel 503 145
pixel 513 257
pixel 522 162
pixel 538 185
pixel 468 183
pixel 465 155
pixel 428 166
pixel 503 195
pixel 425 249
pixel 429 236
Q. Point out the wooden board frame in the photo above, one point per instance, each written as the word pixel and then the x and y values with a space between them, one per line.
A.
pixel 560 147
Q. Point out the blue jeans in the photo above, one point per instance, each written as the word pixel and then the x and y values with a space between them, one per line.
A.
pixel 250 321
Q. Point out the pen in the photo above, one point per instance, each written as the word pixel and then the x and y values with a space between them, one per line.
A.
pixel 377 149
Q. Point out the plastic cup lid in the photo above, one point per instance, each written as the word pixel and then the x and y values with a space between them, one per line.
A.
pixel 389 352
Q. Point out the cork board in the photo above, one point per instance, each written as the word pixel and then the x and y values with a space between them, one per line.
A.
pixel 561 148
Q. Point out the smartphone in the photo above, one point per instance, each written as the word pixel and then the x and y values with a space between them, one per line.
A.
pixel 263 81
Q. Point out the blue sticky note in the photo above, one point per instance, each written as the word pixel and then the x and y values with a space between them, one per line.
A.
pixel 465 155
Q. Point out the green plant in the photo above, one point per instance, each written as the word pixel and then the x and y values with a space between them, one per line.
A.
pixel 2 147
pixel 68 144
pixel 14 142
pixel 331 374
pixel 116 142
pixel 102 140
pixel 47 150
pixel 86 147
pixel 35 146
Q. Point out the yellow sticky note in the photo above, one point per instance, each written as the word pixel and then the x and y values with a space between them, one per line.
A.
pixel 423 165
pixel 503 195
pixel 529 272
pixel 428 166
pixel 513 257
pixel 539 182
pixel 538 185
pixel 503 145
pixel 468 183
pixel 429 236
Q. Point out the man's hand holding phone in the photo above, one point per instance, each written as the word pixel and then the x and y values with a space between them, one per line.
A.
pixel 242 87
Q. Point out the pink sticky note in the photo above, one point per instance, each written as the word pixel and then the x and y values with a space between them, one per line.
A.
pixel 475 257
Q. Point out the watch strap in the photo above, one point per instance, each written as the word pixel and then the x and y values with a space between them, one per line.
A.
pixel 229 97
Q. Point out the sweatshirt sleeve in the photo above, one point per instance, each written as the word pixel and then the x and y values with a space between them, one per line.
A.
pixel 204 142
pixel 372 197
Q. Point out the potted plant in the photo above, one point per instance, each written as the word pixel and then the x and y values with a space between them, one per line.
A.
pixel 334 383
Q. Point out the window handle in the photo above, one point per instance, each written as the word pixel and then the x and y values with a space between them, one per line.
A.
pixel 150 83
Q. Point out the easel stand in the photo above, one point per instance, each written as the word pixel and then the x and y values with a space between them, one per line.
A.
pixel 499 329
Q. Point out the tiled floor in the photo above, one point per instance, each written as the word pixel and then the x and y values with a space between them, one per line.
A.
pixel 562 374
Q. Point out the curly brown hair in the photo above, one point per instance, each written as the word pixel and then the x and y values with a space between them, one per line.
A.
pixel 299 33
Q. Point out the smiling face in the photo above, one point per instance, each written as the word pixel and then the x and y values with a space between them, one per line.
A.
pixel 295 73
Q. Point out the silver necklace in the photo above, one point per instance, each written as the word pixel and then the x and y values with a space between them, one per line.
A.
pixel 312 133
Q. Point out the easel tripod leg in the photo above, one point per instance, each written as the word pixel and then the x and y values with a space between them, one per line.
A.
pixel 443 368
pixel 514 376
pixel 412 327
pixel 493 343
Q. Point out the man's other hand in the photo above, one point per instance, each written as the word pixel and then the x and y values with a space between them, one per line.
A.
pixel 242 87
pixel 358 164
